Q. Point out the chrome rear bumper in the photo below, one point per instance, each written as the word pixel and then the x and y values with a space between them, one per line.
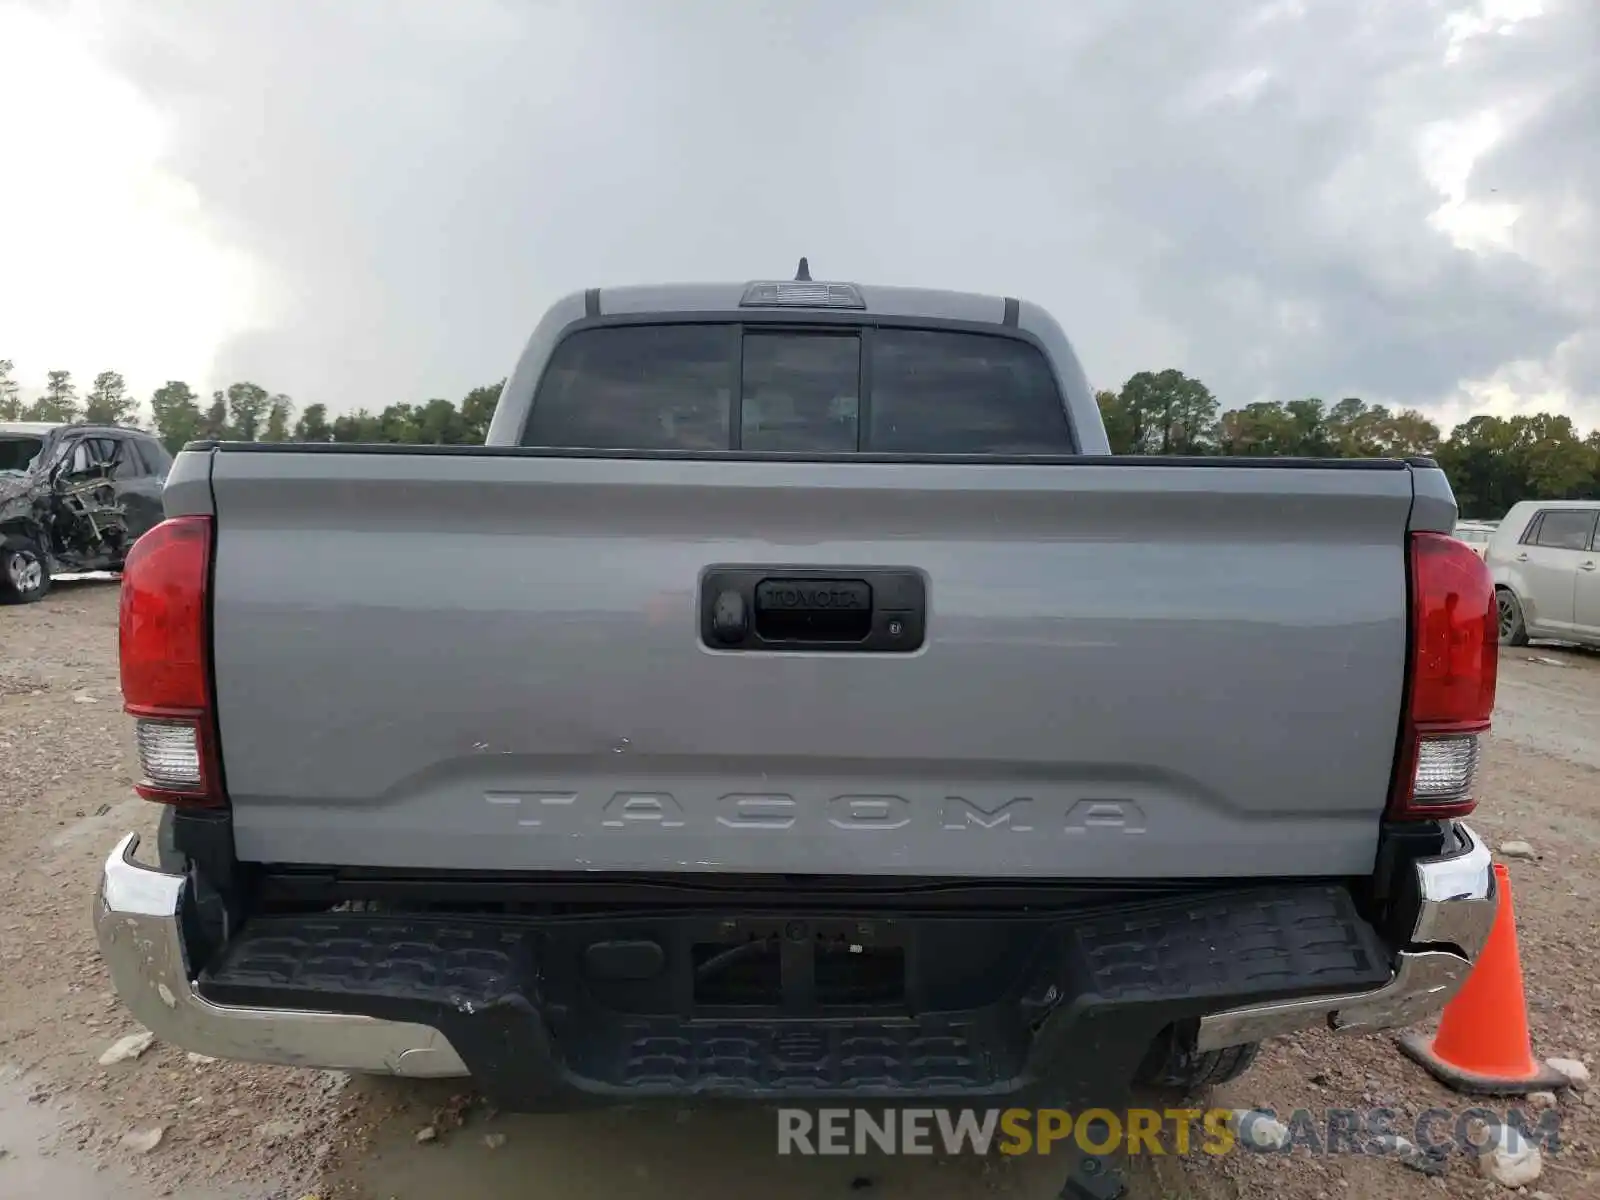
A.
pixel 137 922
pixel 1455 909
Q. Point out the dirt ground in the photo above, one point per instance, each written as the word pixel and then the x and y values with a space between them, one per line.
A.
pixel 233 1132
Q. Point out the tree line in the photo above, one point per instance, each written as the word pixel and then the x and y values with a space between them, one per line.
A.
pixel 247 412
pixel 1492 462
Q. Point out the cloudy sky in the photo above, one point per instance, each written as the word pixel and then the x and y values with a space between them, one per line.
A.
pixel 365 201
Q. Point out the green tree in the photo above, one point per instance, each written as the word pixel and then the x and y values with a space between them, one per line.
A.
pixel 279 409
pixel 10 399
pixel 439 423
pixel 359 426
pixel 1360 431
pixel 1308 428
pixel 108 402
pixel 1346 424
pixel 1559 463
pixel 59 402
pixel 398 423
pixel 312 425
pixel 1493 462
pixel 214 425
pixel 1305 428
pixel 1265 427
pixel 1407 433
pixel 176 412
pixel 1122 428
pixel 1169 412
pixel 477 408
pixel 247 410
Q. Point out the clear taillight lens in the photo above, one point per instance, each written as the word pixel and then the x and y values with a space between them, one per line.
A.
pixel 169 755
pixel 1446 766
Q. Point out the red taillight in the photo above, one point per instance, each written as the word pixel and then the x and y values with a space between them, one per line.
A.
pixel 1455 652
pixel 166 668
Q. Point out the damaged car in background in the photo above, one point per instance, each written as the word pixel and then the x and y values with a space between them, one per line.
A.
pixel 72 498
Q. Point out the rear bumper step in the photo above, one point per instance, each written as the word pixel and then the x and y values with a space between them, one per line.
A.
pixel 1450 900
pixel 138 925
pixel 1057 1006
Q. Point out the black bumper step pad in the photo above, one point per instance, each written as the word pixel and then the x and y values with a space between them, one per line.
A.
pixel 1257 943
pixel 1085 1003
pixel 317 962
pixel 949 1055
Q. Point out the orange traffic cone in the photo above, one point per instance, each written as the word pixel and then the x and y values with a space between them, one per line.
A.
pixel 1483 1044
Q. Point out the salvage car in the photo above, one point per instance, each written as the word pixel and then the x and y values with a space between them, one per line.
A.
pixel 73 498
pixel 795 699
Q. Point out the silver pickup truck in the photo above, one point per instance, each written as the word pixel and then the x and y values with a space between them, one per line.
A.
pixel 794 700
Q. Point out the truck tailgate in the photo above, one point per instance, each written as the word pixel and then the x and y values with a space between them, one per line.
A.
pixel 494 661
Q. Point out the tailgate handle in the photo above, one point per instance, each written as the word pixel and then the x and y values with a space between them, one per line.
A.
pixel 814 610
pixel 876 610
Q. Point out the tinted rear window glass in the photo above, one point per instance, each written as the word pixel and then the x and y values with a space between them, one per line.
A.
pixel 1565 530
pixel 799 392
pixel 963 393
pixel 637 387
pixel 670 387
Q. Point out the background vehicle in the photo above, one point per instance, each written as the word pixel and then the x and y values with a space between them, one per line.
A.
pixel 796 700
pixel 1475 534
pixel 73 498
pixel 1546 571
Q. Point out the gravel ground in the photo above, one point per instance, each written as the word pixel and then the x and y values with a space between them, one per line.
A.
pixel 234 1132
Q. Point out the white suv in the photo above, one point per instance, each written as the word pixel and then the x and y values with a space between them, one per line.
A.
pixel 1547 572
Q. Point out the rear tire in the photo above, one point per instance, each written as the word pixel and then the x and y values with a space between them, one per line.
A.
pixel 1173 1064
pixel 1508 610
pixel 24 572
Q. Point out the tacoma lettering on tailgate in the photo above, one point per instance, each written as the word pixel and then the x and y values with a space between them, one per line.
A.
pixel 778 813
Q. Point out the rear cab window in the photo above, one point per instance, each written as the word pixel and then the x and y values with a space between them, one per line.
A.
pixel 824 390
pixel 800 393
pixel 964 393
pixel 638 387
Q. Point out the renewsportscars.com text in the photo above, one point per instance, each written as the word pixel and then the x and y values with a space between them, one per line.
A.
pixel 1336 1131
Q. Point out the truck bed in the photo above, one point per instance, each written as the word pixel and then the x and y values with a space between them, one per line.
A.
pixel 493 660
